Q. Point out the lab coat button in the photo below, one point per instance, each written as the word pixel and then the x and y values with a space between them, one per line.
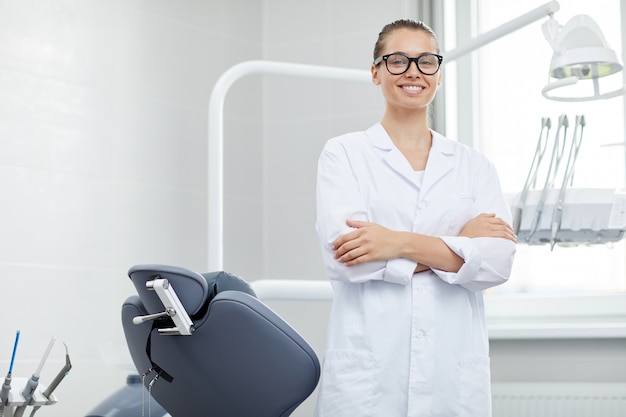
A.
pixel 421 288
pixel 422 205
pixel 419 334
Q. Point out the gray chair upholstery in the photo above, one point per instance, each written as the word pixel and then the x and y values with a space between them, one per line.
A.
pixel 241 360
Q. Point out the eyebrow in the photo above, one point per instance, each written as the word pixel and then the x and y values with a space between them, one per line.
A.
pixel 404 53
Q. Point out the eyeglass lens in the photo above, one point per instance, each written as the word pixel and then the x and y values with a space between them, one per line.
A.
pixel 428 64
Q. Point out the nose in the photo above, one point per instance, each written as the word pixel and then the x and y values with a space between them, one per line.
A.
pixel 413 71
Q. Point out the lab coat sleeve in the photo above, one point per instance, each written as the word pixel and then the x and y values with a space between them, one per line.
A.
pixel 488 261
pixel 339 199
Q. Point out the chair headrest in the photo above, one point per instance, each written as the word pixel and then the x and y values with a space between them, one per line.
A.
pixel 195 291
pixel 225 281
pixel 192 288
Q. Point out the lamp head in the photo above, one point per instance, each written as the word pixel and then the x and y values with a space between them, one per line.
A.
pixel 580 53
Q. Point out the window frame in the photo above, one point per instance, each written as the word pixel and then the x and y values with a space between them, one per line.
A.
pixel 532 315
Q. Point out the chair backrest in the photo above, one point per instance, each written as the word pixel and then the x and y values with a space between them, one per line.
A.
pixel 242 359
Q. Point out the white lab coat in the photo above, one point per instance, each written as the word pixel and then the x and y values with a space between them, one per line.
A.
pixel 403 344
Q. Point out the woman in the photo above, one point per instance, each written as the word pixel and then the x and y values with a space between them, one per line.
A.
pixel 413 226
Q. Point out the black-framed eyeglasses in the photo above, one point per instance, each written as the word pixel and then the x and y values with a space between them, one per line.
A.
pixel 398 63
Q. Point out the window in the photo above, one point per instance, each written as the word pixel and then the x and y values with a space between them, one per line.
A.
pixel 507 77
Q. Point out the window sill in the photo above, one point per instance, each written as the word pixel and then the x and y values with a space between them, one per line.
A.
pixel 554 316
pixel 509 316
pixel 557 331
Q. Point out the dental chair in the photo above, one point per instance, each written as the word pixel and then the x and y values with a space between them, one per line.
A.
pixel 205 346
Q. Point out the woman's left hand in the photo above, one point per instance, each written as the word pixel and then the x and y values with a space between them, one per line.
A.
pixel 369 242
pixel 488 225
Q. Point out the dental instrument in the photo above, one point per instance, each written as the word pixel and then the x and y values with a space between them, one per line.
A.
pixel 531 179
pixel 553 168
pixel 62 374
pixel 568 177
pixel 6 387
pixel 57 379
pixel 567 216
pixel 32 383
pixel 589 216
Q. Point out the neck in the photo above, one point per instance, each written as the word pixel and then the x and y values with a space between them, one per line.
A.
pixel 408 129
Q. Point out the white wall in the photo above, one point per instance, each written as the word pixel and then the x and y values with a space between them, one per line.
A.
pixel 103 159
pixel 301 115
pixel 103 109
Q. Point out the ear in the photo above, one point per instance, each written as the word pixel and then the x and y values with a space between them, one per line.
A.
pixel 440 76
pixel 375 78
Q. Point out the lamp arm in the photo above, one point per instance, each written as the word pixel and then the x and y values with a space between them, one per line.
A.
pixel 564 82
pixel 503 30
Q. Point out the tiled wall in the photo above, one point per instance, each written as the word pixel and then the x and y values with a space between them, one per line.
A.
pixel 301 114
pixel 103 142
pixel 103 126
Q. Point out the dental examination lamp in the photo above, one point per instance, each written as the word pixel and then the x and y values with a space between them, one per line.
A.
pixel 581 54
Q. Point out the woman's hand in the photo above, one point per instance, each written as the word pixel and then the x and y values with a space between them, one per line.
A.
pixel 488 225
pixel 369 242
pixel 373 242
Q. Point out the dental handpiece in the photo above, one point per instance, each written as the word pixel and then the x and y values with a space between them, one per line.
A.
pixel 33 382
pixel 6 387
pixel 62 374
pixel 56 381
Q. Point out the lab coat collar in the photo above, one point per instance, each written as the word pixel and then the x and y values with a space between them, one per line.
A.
pixel 440 158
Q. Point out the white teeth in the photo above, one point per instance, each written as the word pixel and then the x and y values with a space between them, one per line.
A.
pixel 412 87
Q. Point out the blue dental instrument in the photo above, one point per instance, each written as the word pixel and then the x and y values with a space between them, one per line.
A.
pixel 6 387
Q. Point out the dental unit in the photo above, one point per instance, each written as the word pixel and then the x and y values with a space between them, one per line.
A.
pixel 30 391
pixel 566 216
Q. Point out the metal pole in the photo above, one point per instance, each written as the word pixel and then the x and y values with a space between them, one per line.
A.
pixel 216 134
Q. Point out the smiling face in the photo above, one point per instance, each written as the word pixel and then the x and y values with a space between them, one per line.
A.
pixel 412 89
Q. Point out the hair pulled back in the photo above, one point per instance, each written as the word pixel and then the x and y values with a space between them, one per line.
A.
pixel 402 24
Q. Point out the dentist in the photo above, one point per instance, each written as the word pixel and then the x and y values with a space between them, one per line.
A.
pixel 413 227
